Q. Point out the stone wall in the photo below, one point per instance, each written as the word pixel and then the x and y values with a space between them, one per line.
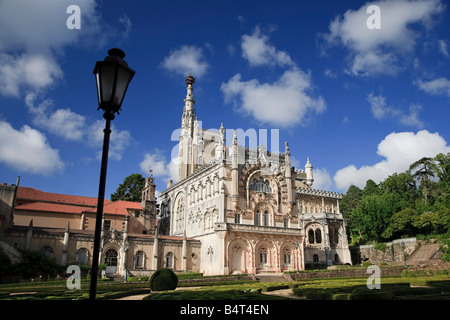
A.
pixel 390 253
pixel 384 272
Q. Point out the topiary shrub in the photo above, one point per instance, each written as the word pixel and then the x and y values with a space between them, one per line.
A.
pixel 163 279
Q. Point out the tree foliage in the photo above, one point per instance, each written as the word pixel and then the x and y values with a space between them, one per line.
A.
pixel 403 205
pixel 130 189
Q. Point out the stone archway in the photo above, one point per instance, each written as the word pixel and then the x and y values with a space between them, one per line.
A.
pixel 266 256
pixel 111 261
pixel 239 260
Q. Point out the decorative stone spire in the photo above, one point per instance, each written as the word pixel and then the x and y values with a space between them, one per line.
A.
pixel 189 101
pixel 309 173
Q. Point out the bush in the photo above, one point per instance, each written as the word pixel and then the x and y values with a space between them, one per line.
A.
pixel 163 279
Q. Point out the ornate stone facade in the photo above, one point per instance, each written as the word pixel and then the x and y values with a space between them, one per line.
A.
pixel 250 209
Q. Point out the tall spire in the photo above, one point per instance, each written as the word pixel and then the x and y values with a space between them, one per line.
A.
pixel 188 118
pixel 189 101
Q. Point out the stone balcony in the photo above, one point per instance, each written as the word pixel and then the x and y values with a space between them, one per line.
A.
pixel 236 227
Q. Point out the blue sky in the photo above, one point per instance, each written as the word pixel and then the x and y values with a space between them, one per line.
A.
pixel 361 103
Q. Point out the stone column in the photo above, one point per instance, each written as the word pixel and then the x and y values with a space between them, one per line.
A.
pixel 29 235
pixel 65 245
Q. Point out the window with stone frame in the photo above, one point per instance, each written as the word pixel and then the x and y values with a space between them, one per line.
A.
pixel 266 218
pixel 258 218
pixel 82 256
pixel 237 218
pixel 261 185
pixel 139 260
pixel 263 258
pixel 287 257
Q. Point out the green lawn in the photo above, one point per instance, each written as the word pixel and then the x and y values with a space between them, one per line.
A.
pixel 392 288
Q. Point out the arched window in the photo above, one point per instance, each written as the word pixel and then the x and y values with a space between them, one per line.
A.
pixel 263 256
pixel 261 185
pixel 316 258
pixel 179 214
pixel 170 259
pixel 318 236
pixel 82 256
pixel 287 257
pixel 111 258
pixel 266 218
pixel 139 259
pixel 258 218
pixel 311 236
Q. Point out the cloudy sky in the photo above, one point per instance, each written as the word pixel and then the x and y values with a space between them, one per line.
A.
pixel 363 93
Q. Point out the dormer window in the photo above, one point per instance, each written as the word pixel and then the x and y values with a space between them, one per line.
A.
pixel 261 185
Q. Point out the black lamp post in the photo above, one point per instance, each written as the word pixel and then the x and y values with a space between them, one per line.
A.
pixel 113 77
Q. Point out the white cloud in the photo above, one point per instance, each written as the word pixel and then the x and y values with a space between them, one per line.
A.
pixel 322 179
pixel 62 122
pixel 399 151
pixel 440 86
pixel 381 110
pixel 119 139
pixel 185 60
pixel 125 20
pixel 443 47
pixel 375 51
pixel 27 72
pixel 167 170
pixel 28 150
pixel 33 34
pixel 257 50
pixel 40 25
pixel 285 102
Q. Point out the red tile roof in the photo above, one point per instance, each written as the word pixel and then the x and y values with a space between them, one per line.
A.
pixel 119 207
pixel 50 207
pixel 30 199
pixel 25 193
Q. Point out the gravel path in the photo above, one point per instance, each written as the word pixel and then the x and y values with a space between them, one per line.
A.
pixel 286 293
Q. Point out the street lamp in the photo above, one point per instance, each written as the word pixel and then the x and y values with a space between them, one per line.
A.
pixel 113 77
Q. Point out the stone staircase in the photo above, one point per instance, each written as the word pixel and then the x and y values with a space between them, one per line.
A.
pixel 423 254
pixel 273 277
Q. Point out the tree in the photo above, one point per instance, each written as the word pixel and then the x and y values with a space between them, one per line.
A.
pixel 403 223
pixel 441 166
pixel 370 188
pixel 423 174
pixel 403 185
pixel 373 213
pixel 130 189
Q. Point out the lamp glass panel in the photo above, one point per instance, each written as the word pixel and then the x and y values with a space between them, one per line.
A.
pixel 107 76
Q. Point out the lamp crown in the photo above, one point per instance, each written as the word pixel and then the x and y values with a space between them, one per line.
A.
pixel 116 52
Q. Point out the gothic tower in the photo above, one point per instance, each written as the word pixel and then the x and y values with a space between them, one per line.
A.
pixel 187 154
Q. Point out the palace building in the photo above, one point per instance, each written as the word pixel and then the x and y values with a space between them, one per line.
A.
pixel 234 209
pixel 251 210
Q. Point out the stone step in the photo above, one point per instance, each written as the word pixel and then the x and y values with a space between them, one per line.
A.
pixel 273 277
pixel 424 253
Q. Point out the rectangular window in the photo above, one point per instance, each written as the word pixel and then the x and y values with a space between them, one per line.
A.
pixel 237 218
pixel 286 223
pixel 107 225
